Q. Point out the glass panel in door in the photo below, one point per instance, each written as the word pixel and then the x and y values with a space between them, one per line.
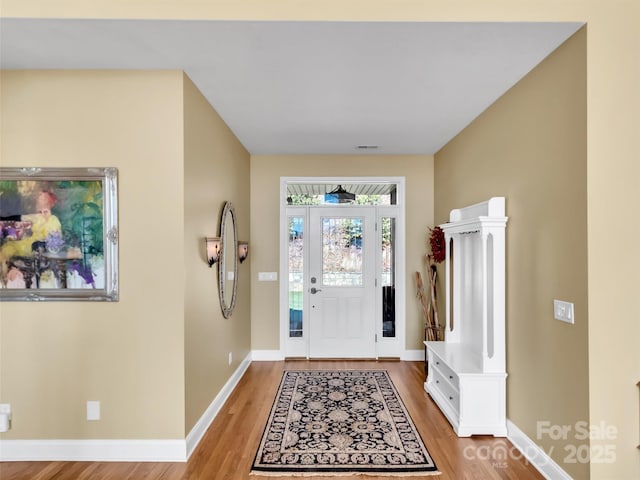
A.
pixel 296 276
pixel 388 278
pixel 342 252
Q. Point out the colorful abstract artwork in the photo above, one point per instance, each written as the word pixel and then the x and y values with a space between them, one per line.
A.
pixel 58 234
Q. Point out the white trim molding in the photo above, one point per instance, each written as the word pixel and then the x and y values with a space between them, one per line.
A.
pixel 535 454
pixel 300 346
pixel 173 450
pixel 267 355
pixel 412 356
pixel 201 426
pixel 93 450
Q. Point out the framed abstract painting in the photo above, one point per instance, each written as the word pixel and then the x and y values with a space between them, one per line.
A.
pixel 58 234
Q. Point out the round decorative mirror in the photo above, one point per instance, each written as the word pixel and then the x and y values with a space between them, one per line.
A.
pixel 228 263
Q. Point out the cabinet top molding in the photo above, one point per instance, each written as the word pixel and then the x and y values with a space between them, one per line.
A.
pixel 494 207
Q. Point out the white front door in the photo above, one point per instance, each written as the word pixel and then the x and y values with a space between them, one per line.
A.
pixel 342 250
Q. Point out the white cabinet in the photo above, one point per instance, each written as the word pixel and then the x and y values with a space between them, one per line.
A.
pixel 467 374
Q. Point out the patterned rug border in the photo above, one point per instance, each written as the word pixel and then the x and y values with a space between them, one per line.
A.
pixel 317 471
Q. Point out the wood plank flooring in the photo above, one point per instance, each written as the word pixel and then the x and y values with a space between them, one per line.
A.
pixel 227 450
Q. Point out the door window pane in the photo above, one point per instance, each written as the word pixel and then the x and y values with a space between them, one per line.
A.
pixel 342 252
pixel 388 277
pixel 296 275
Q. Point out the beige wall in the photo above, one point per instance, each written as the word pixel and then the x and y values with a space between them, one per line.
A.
pixel 157 358
pixel 266 171
pixel 216 170
pixel 530 146
pixel 129 354
pixel 613 74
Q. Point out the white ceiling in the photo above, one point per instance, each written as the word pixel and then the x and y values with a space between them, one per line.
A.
pixel 309 87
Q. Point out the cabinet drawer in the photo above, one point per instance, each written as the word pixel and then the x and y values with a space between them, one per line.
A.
pixel 447 390
pixel 446 372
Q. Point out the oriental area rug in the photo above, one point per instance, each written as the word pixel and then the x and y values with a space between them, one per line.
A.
pixel 337 423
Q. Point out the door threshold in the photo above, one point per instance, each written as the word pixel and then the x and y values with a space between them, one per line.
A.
pixel 341 359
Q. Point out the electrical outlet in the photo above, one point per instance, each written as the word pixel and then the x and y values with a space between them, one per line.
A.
pixel 230 358
pixel 563 311
pixel 5 417
pixel 93 410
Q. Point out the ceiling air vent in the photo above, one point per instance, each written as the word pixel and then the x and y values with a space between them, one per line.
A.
pixel 366 147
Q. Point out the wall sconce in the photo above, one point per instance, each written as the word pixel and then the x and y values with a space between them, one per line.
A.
pixel 243 251
pixel 212 244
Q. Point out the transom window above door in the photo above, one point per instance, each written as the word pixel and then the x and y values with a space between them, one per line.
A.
pixel 336 194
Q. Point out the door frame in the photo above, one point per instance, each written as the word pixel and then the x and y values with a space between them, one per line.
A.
pixel 385 347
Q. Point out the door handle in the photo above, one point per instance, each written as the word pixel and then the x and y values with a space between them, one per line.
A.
pixel 314 290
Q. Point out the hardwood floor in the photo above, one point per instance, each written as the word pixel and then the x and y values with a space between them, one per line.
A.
pixel 227 450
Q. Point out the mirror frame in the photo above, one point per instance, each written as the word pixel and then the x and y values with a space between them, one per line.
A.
pixel 228 213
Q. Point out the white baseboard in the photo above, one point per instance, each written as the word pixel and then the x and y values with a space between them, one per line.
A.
pixel 267 355
pixel 412 356
pixel 199 429
pixel 277 355
pixel 535 455
pixel 177 450
pixel 93 450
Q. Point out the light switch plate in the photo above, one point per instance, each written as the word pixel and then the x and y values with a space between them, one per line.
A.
pixel 267 276
pixel 563 311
